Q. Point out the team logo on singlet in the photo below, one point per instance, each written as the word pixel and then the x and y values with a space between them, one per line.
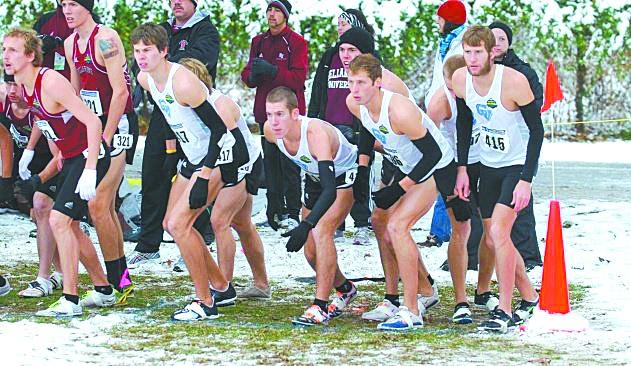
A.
pixel 383 130
pixel 165 107
pixel 87 59
pixel 169 99
pixel 305 159
pixel 484 110
pixel 281 56
pixel 491 103
pixel 378 135
pixel 183 44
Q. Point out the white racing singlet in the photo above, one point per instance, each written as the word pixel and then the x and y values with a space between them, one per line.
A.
pixel 448 128
pixel 399 149
pixel 254 149
pixel 345 158
pixel 503 133
pixel 189 129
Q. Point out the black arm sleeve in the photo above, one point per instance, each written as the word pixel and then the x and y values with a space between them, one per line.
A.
pixel 211 118
pixel 326 171
pixel 532 117
pixel 464 126
pixel 431 156
pixel 366 144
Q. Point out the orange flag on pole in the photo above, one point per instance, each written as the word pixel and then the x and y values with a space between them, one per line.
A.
pixel 552 92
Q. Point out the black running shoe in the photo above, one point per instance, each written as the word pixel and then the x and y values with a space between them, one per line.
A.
pixel 486 300
pixel 498 323
pixel 225 298
pixel 524 310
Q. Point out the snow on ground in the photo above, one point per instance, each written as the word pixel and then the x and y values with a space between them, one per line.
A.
pixel 596 248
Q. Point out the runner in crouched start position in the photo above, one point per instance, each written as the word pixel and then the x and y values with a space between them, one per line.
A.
pixel 329 161
pixel 424 161
pixel 216 156
pixel 75 133
pixel 511 133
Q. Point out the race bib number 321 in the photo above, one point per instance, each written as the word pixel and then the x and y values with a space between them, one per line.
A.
pixel 92 99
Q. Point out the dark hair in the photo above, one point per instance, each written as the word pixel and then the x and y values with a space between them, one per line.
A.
pixel 150 34
pixel 362 19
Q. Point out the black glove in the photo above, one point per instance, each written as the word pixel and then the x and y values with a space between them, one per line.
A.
pixel 388 196
pixel 49 43
pixel 262 67
pixel 297 236
pixel 6 189
pixel 27 188
pixel 273 213
pixel 169 166
pixel 199 194
pixel 361 186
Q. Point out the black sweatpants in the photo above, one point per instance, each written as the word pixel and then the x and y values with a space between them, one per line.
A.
pixel 276 163
pixel 156 186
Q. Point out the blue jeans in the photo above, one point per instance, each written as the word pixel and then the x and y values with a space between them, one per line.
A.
pixel 441 226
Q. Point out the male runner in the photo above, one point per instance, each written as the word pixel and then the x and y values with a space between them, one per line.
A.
pixel 415 146
pixel 351 44
pixel 208 142
pixel 329 161
pixel 75 133
pixel 31 150
pixel 233 206
pixel 98 71
pixel 511 134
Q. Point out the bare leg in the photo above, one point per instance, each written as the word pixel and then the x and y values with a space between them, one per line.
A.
pixel 379 222
pixel 251 243
pixel 46 246
pixel 486 260
pixel 457 255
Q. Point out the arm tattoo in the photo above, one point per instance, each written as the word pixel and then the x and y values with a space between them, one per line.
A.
pixel 108 48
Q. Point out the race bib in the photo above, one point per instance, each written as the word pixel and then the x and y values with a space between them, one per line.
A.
pixel 394 159
pixel 350 176
pixel 92 99
pixel 60 62
pixel 101 152
pixel 183 135
pixel 47 130
pixel 495 140
pixel 123 141
pixel 226 143
pixel 475 138
pixel 19 139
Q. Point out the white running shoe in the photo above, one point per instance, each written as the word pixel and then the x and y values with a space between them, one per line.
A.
pixel 341 300
pixel 384 311
pixel 431 300
pixel 39 288
pixel 404 320
pixel 62 307
pixel 312 316
pixel 93 299
pixel 136 259
pixel 6 288
pixel 57 280
pixel 196 310
pixel 362 236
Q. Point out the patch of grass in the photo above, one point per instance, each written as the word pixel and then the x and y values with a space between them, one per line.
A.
pixel 261 331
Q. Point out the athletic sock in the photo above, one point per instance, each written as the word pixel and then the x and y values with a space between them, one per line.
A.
pixel 322 304
pixel 114 273
pixel 72 298
pixel 347 286
pixel 2 281
pixel 394 299
pixel 105 290
pixel 430 279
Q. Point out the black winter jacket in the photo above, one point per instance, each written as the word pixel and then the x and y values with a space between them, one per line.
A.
pixel 511 60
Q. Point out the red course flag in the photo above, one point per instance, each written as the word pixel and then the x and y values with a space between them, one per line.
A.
pixel 553 92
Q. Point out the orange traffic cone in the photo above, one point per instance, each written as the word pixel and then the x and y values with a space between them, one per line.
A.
pixel 554 297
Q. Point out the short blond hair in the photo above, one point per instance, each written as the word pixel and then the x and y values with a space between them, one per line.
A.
pixel 199 69
pixel 32 44
pixel 367 63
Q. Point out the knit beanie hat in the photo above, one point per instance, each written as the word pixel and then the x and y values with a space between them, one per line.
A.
pixel 453 11
pixel 88 4
pixel 283 5
pixel 359 38
pixel 505 28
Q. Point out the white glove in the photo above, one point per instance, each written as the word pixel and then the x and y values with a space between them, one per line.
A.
pixel 86 187
pixel 25 160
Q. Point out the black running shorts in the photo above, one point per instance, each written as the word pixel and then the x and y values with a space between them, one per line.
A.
pixel 497 186
pixel 313 188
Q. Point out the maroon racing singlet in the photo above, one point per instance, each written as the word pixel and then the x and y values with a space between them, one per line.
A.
pixel 21 128
pixel 96 90
pixel 62 128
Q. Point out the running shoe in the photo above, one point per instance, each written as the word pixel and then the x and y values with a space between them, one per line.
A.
pixel 384 311
pixel 196 310
pixel 341 300
pixel 312 316
pixel 404 320
pixel 62 308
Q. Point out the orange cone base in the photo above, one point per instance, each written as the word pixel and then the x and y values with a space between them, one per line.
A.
pixel 545 322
